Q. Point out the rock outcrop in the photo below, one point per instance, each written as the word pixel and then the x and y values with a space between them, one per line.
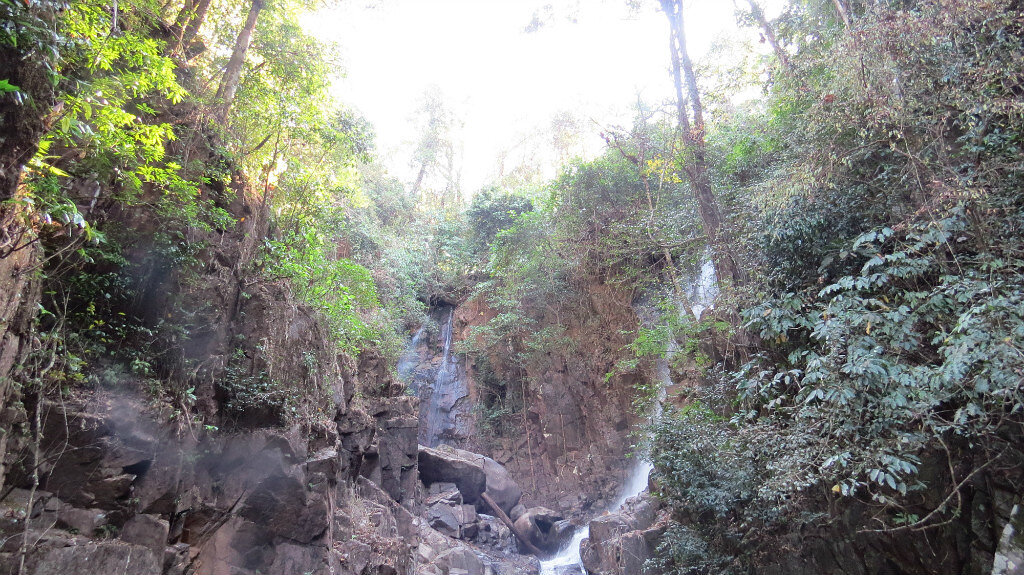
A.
pixel 569 449
pixel 472 473
pixel 622 542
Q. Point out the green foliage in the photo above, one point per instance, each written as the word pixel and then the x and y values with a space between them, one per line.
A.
pixel 340 289
pixel 491 213
pixel 917 345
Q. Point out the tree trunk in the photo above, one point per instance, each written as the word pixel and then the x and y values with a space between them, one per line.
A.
pixel 233 72
pixel 842 12
pixel 769 33
pixel 694 149
pixel 187 24
pixel 196 23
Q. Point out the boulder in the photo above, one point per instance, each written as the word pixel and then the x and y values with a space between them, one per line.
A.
pixel 449 466
pixel 147 530
pixel 441 516
pixel 621 543
pixel 544 528
pixel 472 473
pixel 460 560
pixel 500 485
pixel 517 512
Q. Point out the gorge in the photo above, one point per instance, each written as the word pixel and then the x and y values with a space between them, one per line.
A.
pixel 770 323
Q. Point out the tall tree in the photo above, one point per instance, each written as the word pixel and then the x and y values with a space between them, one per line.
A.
pixel 768 32
pixel 690 112
pixel 233 71
pixel 436 153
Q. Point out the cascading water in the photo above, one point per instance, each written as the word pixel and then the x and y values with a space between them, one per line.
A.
pixel 438 412
pixel 702 291
pixel 568 560
pixel 704 288
pixel 410 357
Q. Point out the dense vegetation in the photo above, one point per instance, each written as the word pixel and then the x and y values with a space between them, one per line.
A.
pixel 863 214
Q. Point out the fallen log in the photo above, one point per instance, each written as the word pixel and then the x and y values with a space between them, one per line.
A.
pixel 505 519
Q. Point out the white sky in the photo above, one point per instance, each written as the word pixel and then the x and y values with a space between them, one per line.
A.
pixel 502 82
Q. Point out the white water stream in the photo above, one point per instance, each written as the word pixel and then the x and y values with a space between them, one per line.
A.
pixel 568 560
pixel 703 289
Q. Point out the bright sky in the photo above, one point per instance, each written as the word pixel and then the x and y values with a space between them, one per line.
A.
pixel 593 58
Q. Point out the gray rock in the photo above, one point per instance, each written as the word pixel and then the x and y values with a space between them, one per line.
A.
pixel 500 485
pixel 84 521
pixel 460 559
pixel 105 558
pixel 282 505
pixel 517 512
pixel 448 466
pixel 1009 558
pixel 147 530
pixel 176 559
pixel 441 516
pixel 472 473
pixel 544 528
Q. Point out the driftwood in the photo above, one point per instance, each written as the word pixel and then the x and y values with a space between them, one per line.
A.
pixel 505 519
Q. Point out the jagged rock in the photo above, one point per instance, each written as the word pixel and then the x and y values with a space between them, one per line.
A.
pixel 425 553
pixel 544 528
pixel 441 517
pixel 441 487
pixel 284 507
pixel 148 531
pixel 608 527
pixel 405 521
pixel 104 558
pixel 324 461
pixel 466 514
pixel 448 494
pixel 621 543
pixel 84 521
pixel 460 559
pixel 176 559
pixel 354 555
pixel 291 558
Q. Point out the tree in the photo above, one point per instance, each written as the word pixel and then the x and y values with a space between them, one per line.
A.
pixel 233 71
pixel 768 33
pixel 436 152
pixel 695 162
pixel 187 24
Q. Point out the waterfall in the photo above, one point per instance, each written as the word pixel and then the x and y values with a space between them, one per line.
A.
pixel 410 357
pixel 445 392
pixel 568 560
pixel 704 288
